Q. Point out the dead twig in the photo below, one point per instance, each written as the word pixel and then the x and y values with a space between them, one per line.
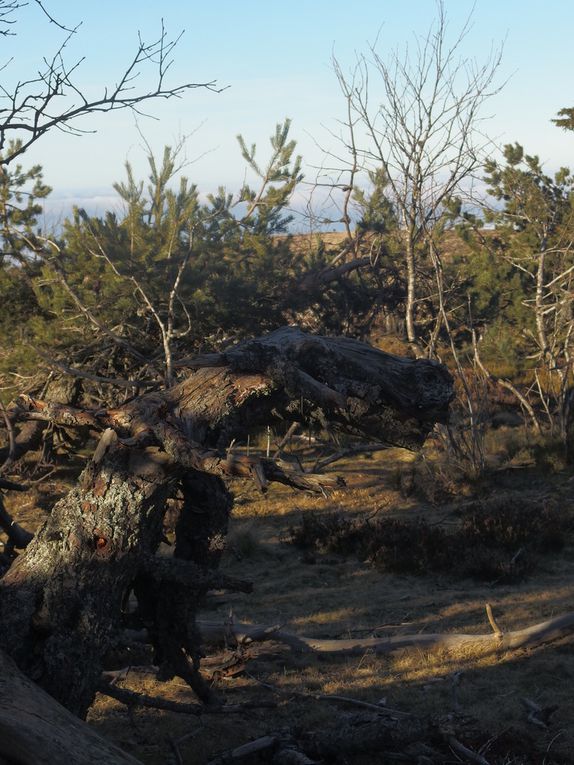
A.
pixel 379 708
pixel 175 749
pixel 247 751
pixel 495 628
pixel 133 699
pixel 538 715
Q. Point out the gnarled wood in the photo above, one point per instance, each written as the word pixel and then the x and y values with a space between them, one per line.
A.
pixel 363 390
pixel 29 436
pixel 61 601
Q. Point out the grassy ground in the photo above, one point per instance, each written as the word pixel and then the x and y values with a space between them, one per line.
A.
pixel 327 595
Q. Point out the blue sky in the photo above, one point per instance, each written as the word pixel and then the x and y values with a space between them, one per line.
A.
pixel 275 59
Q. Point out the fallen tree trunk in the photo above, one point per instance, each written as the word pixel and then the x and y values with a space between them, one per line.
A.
pixel 36 730
pixel 61 602
pixel 360 389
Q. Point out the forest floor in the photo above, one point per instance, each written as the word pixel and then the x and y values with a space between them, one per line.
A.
pixel 488 696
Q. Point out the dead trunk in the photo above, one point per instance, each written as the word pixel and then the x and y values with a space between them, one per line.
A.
pixel 62 599
pixel 36 730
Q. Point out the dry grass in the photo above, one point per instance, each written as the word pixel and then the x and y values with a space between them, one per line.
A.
pixel 329 595
pixel 334 596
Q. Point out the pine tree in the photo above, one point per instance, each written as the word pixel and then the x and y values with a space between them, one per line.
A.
pixel 21 315
pixel 534 220
pixel 173 270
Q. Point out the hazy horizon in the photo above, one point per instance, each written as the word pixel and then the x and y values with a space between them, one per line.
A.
pixel 274 64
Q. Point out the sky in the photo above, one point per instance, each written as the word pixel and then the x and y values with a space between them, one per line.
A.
pixel 273 60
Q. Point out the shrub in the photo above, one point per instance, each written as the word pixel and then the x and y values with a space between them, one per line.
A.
pixel 498 540
pixel 512 521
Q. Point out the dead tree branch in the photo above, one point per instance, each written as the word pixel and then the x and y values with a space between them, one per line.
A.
pixel 54 100
pixel 528 637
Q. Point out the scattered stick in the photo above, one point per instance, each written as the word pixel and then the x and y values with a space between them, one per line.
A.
pixel 322 463
pixel 290 756
pixel 246 752
pixel 189 734
pixel 118 382
pixel 279 749
pixel 378 708
pixel 286 438
pixel 11 439
pixel 133 699
pixel 538 715
pixel 495 628
pixel 175 749
pixel 456 678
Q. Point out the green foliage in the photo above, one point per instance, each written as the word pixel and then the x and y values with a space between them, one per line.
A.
pixel 172 269
pixel 495 292
pixel 377 212
pixel 20 191
pixel 265 207
pixel 529 246
pixel 534 223
pixel 535 205
pixel 565 118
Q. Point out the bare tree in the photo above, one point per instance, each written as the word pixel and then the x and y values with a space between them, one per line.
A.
pixel 414 118
pixel 53 98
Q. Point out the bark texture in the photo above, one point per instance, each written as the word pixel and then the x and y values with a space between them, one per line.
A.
pixel 60 601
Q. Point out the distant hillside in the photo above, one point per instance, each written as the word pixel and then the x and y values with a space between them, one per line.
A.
pixel 452 244
pixel 304 243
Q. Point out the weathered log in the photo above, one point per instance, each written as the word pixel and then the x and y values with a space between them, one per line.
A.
pixel 363 390
pixel 61 602
pixel 36 730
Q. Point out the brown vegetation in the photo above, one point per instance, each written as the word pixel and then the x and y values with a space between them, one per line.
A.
pixel 497 540
pixel 478 697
